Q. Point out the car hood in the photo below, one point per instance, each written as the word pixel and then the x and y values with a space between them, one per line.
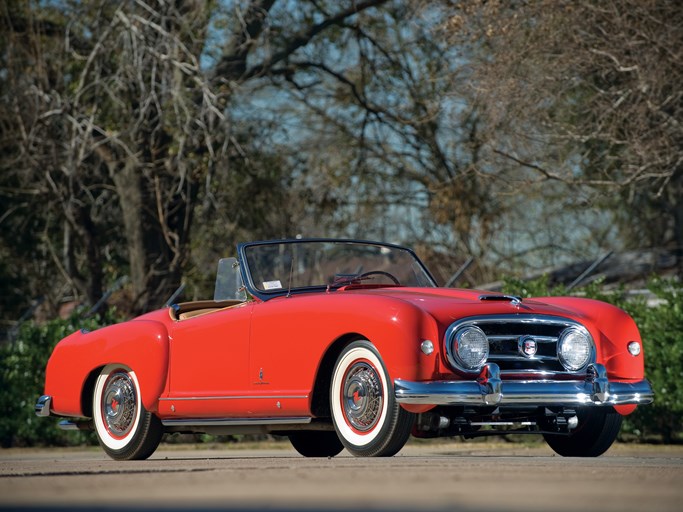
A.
pixel 449 304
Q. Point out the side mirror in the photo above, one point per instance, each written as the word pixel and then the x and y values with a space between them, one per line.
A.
pixel 229 284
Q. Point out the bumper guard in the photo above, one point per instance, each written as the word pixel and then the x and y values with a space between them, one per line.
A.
pixel 43 405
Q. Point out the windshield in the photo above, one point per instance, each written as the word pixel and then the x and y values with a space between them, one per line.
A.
pixel 330 264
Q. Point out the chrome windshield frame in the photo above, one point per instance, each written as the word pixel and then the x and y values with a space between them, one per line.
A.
pixel 265 295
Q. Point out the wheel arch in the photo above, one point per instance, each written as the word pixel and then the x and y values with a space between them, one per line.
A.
pixel 366 416
pixel 88 390
pixel 77 360
pixel 320 398
pixel 124 428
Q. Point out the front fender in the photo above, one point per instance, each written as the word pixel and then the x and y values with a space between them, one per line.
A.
pixel 612 329
pixel 141 345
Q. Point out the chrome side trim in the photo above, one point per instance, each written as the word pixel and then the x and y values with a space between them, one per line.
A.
pixel 488 389
pixel 43 405
pixel 233 397
pixel 232 422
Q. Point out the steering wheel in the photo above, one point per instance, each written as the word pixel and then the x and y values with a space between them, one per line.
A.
pixel 380 273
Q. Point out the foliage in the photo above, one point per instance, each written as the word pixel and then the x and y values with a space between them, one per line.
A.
pixel 660 321
pixel 118 122
pixel 22 376
pixel 144 138
pixel 22 364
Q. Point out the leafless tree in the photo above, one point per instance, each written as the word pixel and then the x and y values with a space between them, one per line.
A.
pixel 146 137
pixel 585 95
pixel 119 114
pixel 400 149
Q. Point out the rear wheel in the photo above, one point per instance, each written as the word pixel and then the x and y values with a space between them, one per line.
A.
pixel 125 429
pixel 597 429
pixel 317 443
pixel 368 419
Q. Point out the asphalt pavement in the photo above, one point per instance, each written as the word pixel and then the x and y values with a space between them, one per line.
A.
pixel 454 476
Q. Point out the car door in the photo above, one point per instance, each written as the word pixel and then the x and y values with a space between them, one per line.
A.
pixel 209 358
pixel 282 360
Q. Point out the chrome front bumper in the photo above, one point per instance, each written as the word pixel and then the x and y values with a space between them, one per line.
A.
pixel 43 405
pixel 489 389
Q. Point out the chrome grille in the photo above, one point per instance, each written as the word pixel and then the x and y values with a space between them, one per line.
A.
pixel 504 351
pixel 504 333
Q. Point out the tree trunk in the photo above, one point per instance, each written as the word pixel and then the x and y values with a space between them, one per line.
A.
pixel 677 188
pixel 129 190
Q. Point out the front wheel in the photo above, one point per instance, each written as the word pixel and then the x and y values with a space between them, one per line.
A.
pixel 368 419
pixel 597 429
pixel 125 429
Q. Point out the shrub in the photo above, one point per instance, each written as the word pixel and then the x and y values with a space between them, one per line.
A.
pixel 22 376
pixel 661 328
pixel 660 322
pixel 22 365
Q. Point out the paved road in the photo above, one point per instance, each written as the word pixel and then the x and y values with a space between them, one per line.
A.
pixel 458 476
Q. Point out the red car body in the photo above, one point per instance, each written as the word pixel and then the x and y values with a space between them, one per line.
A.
pixel 270 363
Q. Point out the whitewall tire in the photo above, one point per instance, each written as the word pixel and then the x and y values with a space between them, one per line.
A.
pixel 125 429
pixel 366 416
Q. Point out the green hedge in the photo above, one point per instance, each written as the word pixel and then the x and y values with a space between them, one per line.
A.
pixel 22 376
pixel 22 366
pixel 661 327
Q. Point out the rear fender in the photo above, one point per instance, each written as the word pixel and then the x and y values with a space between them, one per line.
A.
pixel 141 345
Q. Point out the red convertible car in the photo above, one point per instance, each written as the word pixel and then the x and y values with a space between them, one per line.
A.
pixel 350 344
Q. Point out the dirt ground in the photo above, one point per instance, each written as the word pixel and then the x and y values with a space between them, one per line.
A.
pixel 454 476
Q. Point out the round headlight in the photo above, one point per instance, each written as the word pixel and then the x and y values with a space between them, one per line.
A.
pixel 574 348
pixel 470 347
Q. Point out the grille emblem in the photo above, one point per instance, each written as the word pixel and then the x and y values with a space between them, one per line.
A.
pixel 527 346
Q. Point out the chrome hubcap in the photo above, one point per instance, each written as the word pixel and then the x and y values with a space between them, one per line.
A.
pixel 362 397
pixel 119 404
